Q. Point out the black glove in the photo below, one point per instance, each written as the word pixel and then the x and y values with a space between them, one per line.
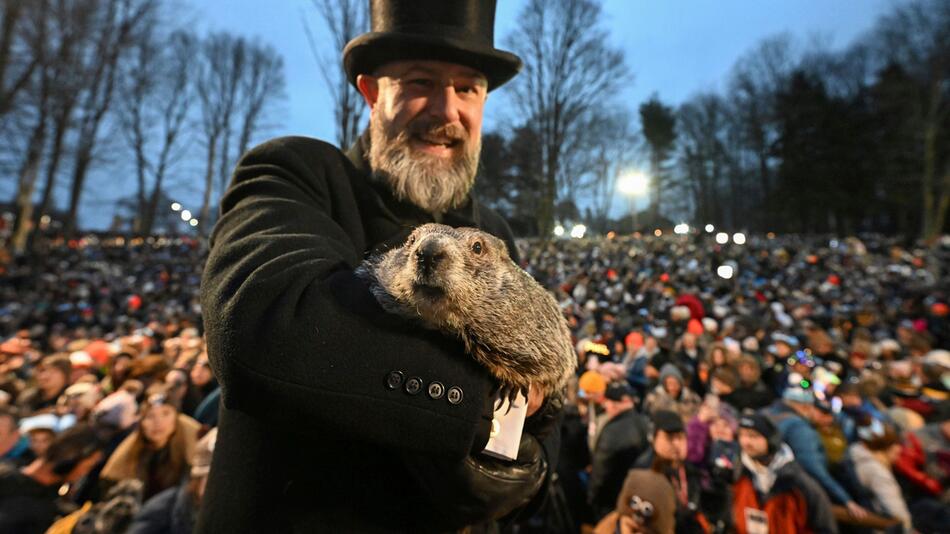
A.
pixel 479 487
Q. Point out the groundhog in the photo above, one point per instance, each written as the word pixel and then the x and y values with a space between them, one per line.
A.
pixel 461 281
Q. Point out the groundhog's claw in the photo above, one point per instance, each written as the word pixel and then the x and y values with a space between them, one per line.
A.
pixel 509 392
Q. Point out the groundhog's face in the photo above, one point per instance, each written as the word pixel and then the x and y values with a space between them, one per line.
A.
pixel 442 271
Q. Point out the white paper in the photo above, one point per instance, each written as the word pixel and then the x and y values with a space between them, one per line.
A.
pixel 507 425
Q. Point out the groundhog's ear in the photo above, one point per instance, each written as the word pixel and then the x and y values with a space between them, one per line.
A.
pixel 500 245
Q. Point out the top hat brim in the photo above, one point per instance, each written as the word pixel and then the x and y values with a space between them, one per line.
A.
pixel 364 54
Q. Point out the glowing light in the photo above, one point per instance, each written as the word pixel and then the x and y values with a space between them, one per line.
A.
pixel 634 183
pixel 658 232
pixel 725 271
pixel 710 228
pixel 770 235
pixel 722 238
pixel 176 206
pixel 578 231
pixel 193 222
pixel 681 229
pixel 738 238
pixel 611 234
pixel 559 230
pixel 185 215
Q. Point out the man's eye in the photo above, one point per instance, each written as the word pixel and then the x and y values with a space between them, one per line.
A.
pixel 421 82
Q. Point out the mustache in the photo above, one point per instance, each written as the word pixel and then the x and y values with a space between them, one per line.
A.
pixel 432 128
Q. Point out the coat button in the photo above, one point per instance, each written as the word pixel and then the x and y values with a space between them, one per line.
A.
pixel 436 390
pixel 454 395
pixel 394 379
pixel 413 385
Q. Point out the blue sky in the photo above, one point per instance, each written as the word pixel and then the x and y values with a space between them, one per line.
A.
pixel 673 47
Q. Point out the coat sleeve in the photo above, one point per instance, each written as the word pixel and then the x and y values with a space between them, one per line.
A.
pixel 805 444
pixel 821 519
pixel 296 339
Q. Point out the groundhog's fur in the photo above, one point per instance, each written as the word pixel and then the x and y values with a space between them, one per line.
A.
pixel 462 281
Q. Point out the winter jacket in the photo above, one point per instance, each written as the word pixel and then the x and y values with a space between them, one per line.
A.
pixel 880 482
pixel 806 444
pixel 334 415
pixel 751 397
pixel 26 506
pixel 791 501
pixel 687 404
pixel 912 465
pixel 621 441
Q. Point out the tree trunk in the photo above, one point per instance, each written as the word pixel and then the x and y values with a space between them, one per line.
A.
pixel 29 171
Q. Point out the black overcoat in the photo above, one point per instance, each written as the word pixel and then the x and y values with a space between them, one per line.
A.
pixel 320 386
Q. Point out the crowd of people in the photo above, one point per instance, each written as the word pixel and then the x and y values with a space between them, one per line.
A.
pixel 805 388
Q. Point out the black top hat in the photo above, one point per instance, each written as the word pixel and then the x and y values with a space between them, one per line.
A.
pixel 456 31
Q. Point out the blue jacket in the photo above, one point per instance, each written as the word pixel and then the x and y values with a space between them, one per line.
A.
pixel 803 439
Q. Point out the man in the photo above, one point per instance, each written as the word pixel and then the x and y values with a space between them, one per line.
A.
pixel 14 446
pixel 792 415
pixel 338 417
pixel 621 441
pixel 668 457
pixel 52 379
pixel 773 493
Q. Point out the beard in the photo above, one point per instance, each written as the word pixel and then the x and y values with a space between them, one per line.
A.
pixel 433 183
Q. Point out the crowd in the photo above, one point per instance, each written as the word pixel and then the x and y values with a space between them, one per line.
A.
pixel 803 389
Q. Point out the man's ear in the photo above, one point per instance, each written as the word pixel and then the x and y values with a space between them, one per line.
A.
pixel 368 86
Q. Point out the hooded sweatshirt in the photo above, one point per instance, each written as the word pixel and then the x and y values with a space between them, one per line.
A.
pixel 686 403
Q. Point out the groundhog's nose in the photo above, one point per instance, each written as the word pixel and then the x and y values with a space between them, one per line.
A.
pixel 428 257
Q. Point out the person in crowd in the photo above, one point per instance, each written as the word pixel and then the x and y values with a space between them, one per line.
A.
pixel 29 496
pixel 751 392
pixel 773 492
pixel 792 415
pixel 672 394
pixel 14 445
pixel 622 440
pixel 646 505
pixel 159 452
pixel 175 510
pixel 52 379
pixel 874 456
pixel 923 461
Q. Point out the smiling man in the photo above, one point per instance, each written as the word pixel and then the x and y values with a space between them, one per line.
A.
pixel 338 417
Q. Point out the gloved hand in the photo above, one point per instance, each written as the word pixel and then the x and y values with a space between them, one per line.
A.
pixel 480 487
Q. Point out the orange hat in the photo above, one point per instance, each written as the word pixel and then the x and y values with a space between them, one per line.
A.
pixel 592 383
pixel 694 327
pixel 633 340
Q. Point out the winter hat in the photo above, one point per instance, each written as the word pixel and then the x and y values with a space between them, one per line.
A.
pixel 794 393
pixel 591 383
pixel 117 410
pixel 670 370
pixel 649 496
pixel 667 421
pixel 876 435
pixel 710 325
pixel 204 450
pixel 728 376
pixel 47 421
pixel 764 426
pixel 618 390
pixel 750 344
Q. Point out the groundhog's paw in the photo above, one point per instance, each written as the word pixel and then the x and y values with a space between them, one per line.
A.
pixel 508 392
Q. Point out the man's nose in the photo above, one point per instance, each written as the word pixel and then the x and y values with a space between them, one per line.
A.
pixel 444 104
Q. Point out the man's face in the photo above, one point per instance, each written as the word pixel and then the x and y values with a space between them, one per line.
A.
pixel 425 129
pixel 670 446
pixel 8 429
pixel 50 379
pixel 753 443
pixel 672 386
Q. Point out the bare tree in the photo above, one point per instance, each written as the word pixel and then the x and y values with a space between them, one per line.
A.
pixel 659 129
pixel 154 101
pixel 343 20
pixel 261 86
pixel 916 36
pixel 117 24
pixel 569 68
pixel 18 60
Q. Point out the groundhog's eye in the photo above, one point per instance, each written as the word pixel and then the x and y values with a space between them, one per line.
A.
pixel 477 247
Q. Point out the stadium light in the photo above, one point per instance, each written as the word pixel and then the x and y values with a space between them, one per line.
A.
pixel 681 229
pixel 710 228
pixel 185 215
pixel 725 271
pixel 193 222
pixel 722 238
pixel 578 231
pixel 738 238
pixel 559 230
pixel 176 206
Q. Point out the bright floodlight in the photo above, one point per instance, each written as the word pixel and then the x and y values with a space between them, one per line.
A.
pixel 681 229
pixel 185 215
pixel 738 238
pixel 658 232
pixel 724 271
pixel 634 183
pixel 578 231
pixel 710 228
pixel 559 230
pixel 722 238
pixel 176 206
pixel 193 222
